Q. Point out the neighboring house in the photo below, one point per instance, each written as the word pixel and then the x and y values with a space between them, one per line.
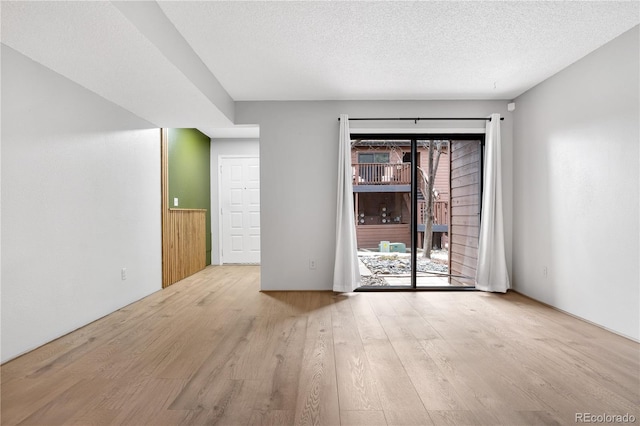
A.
pixel 382 192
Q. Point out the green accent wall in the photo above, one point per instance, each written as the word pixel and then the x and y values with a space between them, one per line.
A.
pixel 190 173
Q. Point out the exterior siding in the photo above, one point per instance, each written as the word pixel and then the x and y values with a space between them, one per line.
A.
pixel 465 210
pixel 369 236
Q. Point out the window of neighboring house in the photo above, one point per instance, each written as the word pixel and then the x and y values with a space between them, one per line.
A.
pixel 370 169
pixel 406 157
pixel 373 157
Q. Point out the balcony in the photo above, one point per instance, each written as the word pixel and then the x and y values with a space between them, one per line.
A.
pixel 398 174
pixel 381 174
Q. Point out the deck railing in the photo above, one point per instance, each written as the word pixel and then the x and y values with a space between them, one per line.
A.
pixel 399 174
pixel 381 174
pixel 440 212
pixel 440 208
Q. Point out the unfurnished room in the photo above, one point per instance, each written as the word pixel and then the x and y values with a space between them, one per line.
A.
pixel 320 213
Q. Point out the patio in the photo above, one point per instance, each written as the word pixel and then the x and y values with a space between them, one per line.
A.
pixel 394 269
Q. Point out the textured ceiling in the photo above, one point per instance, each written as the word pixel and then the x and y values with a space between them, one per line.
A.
pixel 393 49
pixel 309 50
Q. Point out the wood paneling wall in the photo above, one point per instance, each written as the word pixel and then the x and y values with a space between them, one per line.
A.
pixel 186 246
pixel 369 236
pixel 184 243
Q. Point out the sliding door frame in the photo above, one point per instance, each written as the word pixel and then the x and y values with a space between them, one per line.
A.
pixel 414 137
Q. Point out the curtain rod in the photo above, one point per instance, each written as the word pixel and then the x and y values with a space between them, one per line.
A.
pixel 416 119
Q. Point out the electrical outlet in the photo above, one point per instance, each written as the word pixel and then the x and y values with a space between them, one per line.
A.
pixel 123 274
pixel 175 202
pixel 312 264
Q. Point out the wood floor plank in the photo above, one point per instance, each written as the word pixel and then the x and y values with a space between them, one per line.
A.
pixel 213 380
pixel 402 305
pixel 255 363
pixel 411 327
pixel 432 386
pixel 166 418
pixel 455 418
pixel 271 418
pixel 69 403
pixel 362 418
pixel 602 374
pixel 139 402
pixel 511 386
pixel 231 405
pixel 528 417
pixel 280 389
pixel 394 386
pixel 317 401
pixel 196 346
pixel 380 304
pixel 213 349
pixel 408 418
pixel 366 319
pixel 96 417
pixel 356 384
pixel 458 367
pixel 22 398
pixel 66 349
pixel 574 390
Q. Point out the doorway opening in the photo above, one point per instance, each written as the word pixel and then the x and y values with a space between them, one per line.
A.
pixel 417 207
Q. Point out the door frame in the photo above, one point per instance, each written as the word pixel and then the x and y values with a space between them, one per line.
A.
pixel 222 157
pixel 414 137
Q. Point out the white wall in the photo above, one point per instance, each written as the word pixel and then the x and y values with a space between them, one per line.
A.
pixel 80 201
pixel 224 147
pixel 576 189
pixel 298 173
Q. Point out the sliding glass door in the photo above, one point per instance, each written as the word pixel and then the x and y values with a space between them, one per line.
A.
pixel 417 208
pixel 381 190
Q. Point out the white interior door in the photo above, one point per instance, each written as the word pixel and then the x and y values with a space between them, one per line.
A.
pixel 240 209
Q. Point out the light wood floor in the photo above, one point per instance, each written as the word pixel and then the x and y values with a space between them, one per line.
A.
pixel 212 349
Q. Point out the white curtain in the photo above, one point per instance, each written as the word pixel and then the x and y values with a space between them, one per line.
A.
pixel 346 273
pixel 491 273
